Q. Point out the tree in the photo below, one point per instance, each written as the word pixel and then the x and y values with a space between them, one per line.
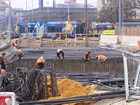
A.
pixel 110 11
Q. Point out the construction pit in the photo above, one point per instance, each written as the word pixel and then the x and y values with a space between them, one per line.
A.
pixel 71 81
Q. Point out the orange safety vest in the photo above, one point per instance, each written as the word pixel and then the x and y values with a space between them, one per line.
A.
pixel 101 57
pixel 41 59
pixel 3 71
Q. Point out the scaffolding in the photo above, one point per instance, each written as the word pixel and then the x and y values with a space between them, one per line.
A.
pixel 132 75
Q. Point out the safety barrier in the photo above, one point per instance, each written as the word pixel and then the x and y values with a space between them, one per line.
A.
pixel 123 40
pixel 62 40
pixel 8 98
pixel 130 40
pixel 108 39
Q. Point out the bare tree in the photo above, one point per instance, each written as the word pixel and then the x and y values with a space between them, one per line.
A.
pixel 110 11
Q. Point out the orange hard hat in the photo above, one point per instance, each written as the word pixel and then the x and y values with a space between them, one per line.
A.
pixel 3 71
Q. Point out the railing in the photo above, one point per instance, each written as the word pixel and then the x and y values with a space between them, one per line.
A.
pixel 63 38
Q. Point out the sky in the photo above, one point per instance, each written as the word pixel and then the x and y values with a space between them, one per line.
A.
pixel 22 3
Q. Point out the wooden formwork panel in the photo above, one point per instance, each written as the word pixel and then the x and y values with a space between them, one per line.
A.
pixel 131 31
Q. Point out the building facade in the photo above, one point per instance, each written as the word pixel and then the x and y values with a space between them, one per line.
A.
pixel 5 15
pixel 100 4
pixel 51 14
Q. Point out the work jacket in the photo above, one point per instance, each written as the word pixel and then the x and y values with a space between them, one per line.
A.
pixel 87 56
pixel 101 58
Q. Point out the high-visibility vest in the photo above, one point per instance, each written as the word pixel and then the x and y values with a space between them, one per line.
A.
pixel 3 71
pixel 101 57
pixel 41 59
pixel 20 52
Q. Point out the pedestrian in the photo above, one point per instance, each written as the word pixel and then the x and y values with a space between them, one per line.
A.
pixel 20 54
pixel 101 57
pixel 60 53
pixel 40 62
pixel 87 55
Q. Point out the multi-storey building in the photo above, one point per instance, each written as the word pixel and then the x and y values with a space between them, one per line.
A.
pixel 58 12
pixel 100 4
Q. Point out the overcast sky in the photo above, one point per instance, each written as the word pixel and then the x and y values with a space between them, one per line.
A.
pixel 22 3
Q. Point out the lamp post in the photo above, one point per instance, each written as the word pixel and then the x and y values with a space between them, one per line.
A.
pixel 68 10
pixel 86 20
pixel 32 12
pixel 9 23
pixel 120 17
pixel 26 29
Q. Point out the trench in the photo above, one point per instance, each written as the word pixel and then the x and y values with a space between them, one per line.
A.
pixel 114 66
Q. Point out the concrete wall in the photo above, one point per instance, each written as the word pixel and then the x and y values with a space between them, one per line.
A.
pixel 113 66
pixel 121 39
pixel 130 40
pixel 108 39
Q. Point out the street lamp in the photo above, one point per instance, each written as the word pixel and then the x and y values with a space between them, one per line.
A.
pixel 86 20
pixel 120 17
pixel 9 25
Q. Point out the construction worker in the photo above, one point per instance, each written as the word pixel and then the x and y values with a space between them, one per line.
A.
pixel 60 52
pixel 20 54
pixel 87 55
pixel 15 43
pixel 40 62
pixel 101 57
pixel 3 56
pixel 2 62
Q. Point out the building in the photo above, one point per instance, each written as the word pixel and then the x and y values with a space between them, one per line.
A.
pixel 57 12
pixel 52 14
pixel 100 4
pixel 5 15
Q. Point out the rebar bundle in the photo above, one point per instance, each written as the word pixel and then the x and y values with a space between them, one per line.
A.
pixel 30 85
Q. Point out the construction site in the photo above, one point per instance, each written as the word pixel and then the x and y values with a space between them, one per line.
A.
pixel 70 53
pixel 72 80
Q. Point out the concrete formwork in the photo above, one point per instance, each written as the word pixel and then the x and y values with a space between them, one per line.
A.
pixel 112 65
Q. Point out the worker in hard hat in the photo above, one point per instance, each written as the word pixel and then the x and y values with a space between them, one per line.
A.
pixel 101 57
pixel 2 62
pixel 3 57
pixel 87 55
pixel 60 53
pixel 40 62
pixel 20 54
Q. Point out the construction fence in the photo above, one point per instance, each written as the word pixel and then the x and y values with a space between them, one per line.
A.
pixel 129 31
pixel 80 40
